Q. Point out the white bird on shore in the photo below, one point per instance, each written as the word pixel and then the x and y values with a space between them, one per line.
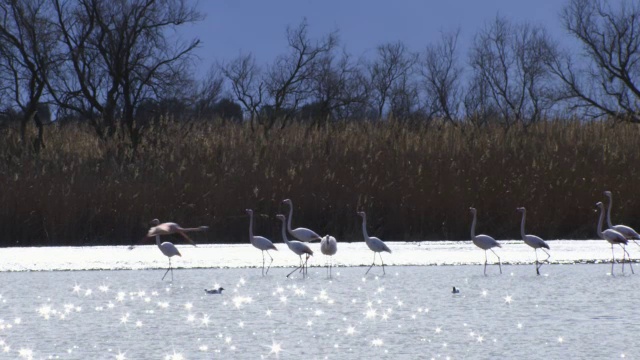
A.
pixel 298 248
pixel 376 245
pixel 260 242
pixel 627 231
pixel 534 241
pixel 167 248
pixel 214 291
pixel 329 247
pixel 614 238
pixel 484 242
pixel 302 234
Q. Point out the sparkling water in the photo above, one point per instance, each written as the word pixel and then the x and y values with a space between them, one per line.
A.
pixel 572 310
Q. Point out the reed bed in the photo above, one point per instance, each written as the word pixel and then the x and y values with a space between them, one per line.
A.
pixel 414 183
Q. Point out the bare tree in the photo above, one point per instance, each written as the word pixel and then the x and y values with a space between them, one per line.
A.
pixel 27 56
pixel 404 99
pixel 207 92
pixel 337 87
pixel 392 66
pixel 610 37
pixel 120 55
pixel 442 74
pixel 289 78
pixel 511 60
pixel 246 84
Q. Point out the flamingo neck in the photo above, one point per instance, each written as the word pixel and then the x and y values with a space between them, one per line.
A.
pixel 290 216
pixel 600 223
pixel 158 240
pixel 609 212
pixel 364 228
pixel 473 227
pixel 284 233
pixel 251 226
pixel 524 216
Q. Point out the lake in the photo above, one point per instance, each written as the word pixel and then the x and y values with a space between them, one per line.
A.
pixel 114 305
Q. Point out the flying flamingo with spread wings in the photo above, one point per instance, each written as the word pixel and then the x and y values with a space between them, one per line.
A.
pixel 167 248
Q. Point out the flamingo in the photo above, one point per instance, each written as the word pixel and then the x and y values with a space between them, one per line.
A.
pixel 613 237
pixel 534 241
pixel 329 247
pixel 297 247
pixel 484 242
pixel 261 243
pixel 302 234
pixel 214 291
pixel 376 245
pixel 626 231
pixel 167 248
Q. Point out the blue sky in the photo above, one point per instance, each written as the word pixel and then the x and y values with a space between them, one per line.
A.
pixel 258 26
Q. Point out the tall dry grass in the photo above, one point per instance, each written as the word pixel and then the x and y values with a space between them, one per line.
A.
pixel 413 183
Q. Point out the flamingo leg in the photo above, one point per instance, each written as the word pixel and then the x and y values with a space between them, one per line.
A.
pixel 548 255
pixel 613 259
pixel 271 262
pixel 537 266
pixel 485 263
pixel 306 266
pixel 624 248
pixel 299 267
pixel 374 262
pixel 499 262
pixel 326 264
pixel 262 262
pixel 383 272
pixel 543 261
pixel 170 268
pixel 186 237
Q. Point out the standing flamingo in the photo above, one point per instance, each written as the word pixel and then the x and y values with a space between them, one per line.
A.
pixel 302 234
pixel 261 243
pixel 297 247
pixel 167 248
pixel 534 241
pixel 329 247
pixel 376 245
pixel 613 237
pixel 625 230
pixel 484 242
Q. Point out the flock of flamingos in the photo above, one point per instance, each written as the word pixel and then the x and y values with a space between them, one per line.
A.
pixel 615 235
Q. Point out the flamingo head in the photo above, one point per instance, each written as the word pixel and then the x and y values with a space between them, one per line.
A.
pixel 249 211
pixel 287 201
pixel 281 217
pixel 607 193
pixel 154 222
pixel 473 210
pixel 521 209
pixel 599 204
pixel 361 213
